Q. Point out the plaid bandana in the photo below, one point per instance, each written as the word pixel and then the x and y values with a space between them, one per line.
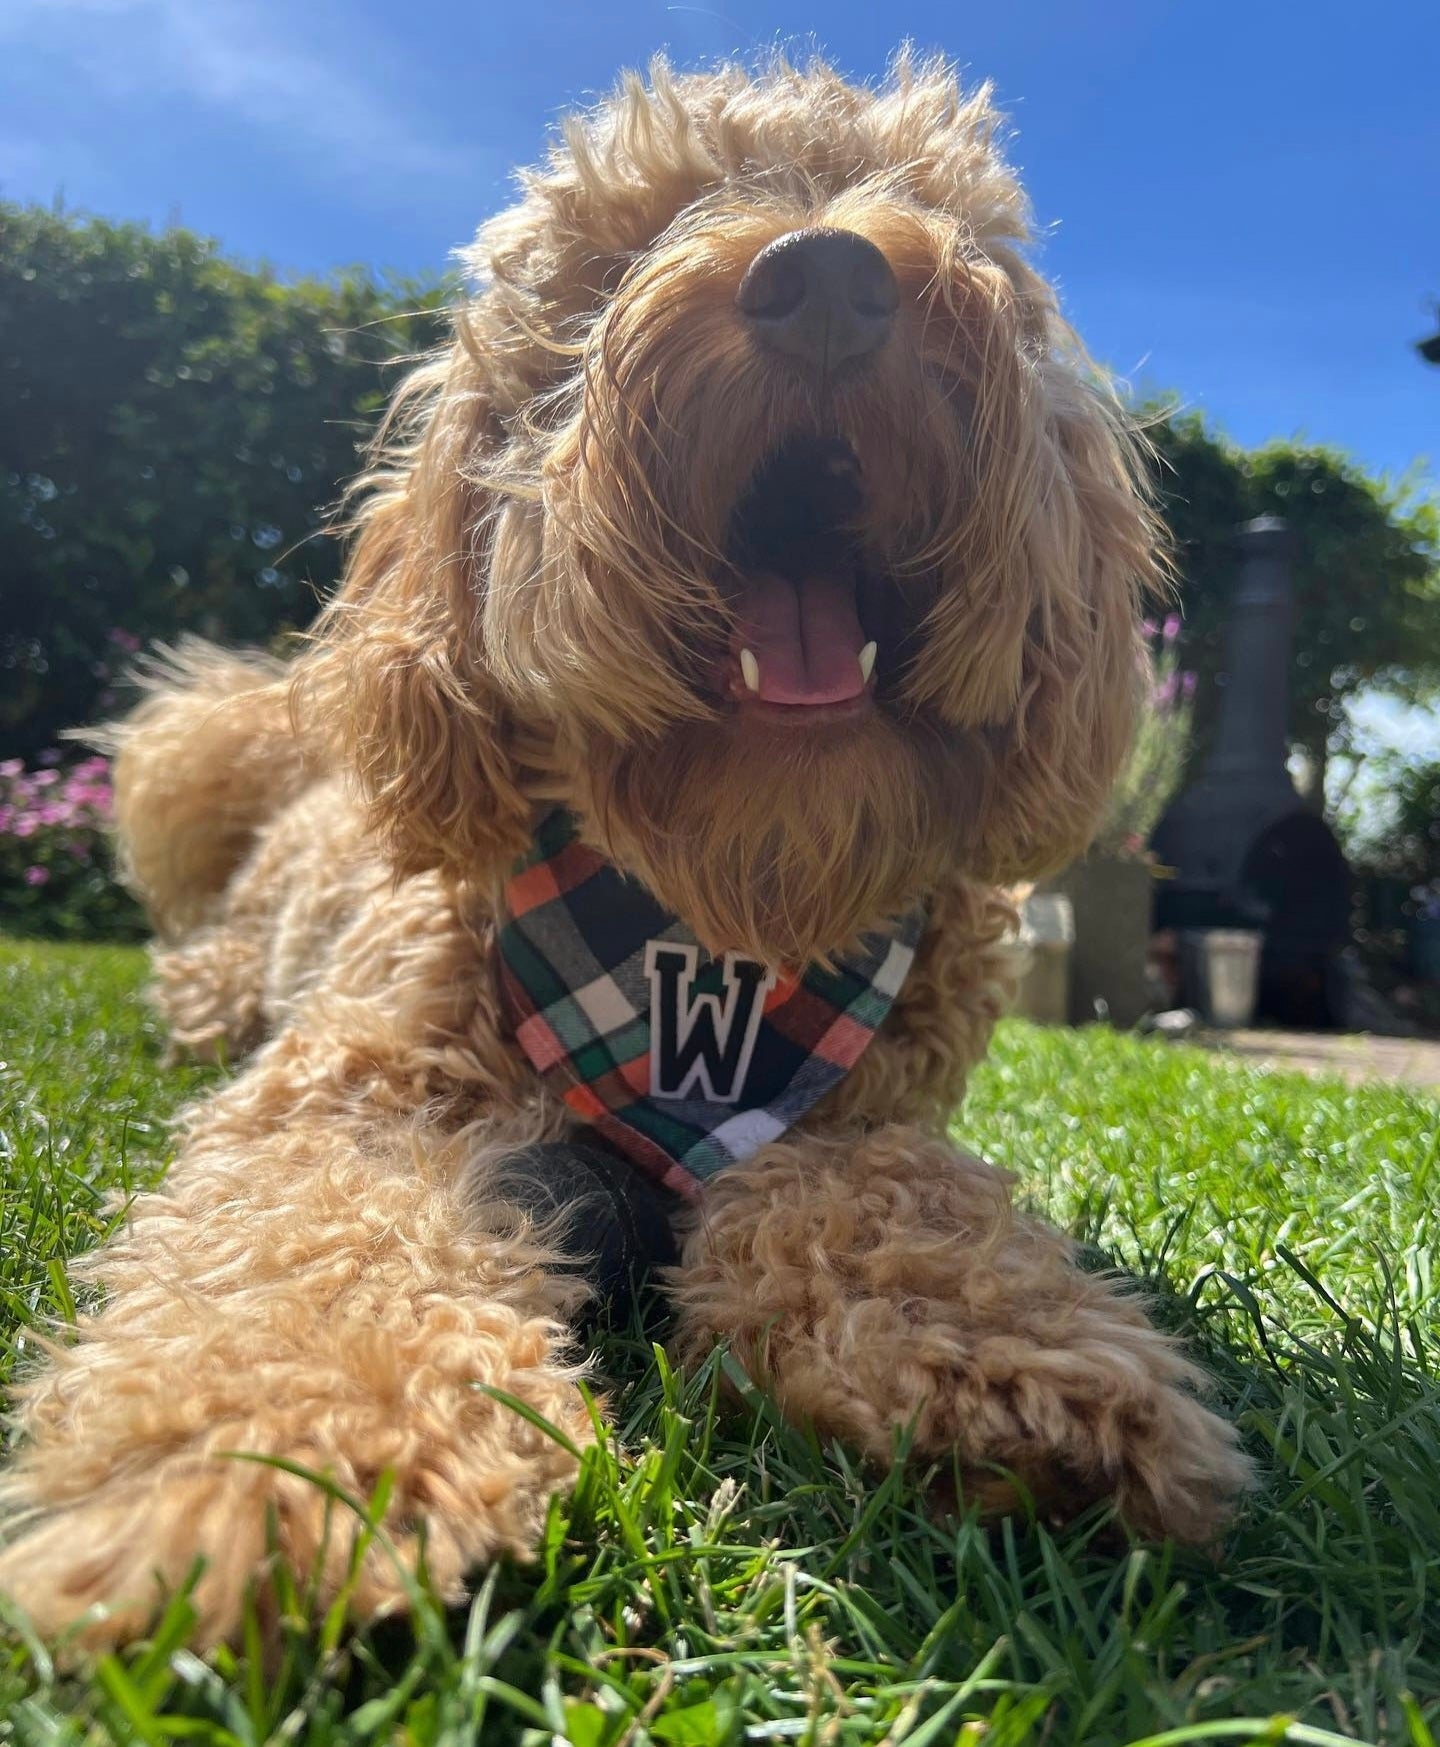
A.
pixel 684 1063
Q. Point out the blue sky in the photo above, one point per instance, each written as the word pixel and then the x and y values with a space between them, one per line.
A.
pixel 1242 200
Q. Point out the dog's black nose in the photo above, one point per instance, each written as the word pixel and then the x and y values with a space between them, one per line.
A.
pixel 822 296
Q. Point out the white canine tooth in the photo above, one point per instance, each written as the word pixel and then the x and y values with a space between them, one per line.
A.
pixel 867 662
pixel 750 668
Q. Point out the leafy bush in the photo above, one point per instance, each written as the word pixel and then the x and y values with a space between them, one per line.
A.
pixel 1395 834
pixel 173 428
pixel 56 877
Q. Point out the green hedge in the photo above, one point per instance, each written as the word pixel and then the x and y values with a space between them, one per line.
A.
pixel 173 427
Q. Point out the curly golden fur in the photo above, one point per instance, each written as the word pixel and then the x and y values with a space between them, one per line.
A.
pixel 540 596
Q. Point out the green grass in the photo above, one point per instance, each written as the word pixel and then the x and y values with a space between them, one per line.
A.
pixel 719 1577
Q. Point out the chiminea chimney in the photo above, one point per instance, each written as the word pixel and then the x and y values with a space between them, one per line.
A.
pixel 1251 742
pixel 1246 852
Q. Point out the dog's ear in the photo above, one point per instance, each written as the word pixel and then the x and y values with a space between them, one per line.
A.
pixel 1097 555
pixel 396 686
pixel 1035 645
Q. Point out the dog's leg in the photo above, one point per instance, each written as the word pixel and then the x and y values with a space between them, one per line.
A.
pixel 311 1286
pixel 886 1282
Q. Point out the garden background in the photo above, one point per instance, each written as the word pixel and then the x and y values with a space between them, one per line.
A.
pixel 176 430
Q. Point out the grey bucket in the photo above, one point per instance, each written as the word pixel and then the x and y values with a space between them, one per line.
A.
pixel 1220 973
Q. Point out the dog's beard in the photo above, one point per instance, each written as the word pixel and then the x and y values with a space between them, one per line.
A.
pixel 788 845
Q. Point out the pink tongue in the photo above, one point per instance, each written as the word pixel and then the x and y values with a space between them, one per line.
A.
pixel 805 636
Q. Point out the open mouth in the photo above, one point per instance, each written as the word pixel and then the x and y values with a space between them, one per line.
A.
pixel 800 642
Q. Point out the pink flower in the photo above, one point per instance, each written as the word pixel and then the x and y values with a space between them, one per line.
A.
pixel 122 639
pixel 26 825
pixel 1187 684
pixel 12 767
pixel 44 779
pixel 1170 630
pixel 37 876
pixel 50 756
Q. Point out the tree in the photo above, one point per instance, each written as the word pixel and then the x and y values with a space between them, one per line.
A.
pixel 1367 574
pixel 1404 841
pixel 173 428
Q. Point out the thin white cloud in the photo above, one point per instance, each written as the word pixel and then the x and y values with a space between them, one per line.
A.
pixel 325 117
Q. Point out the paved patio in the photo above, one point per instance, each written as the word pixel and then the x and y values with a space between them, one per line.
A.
pixel 1354 1056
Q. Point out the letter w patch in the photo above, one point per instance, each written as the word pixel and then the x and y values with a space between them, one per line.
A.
pixel 702 1041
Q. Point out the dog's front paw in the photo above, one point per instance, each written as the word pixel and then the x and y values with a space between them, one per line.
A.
pixel 1183 1472
pixel 94 1572
pixel 1060 1400
pixel 130 1474
pixel 1082 1399
pixel 891 1287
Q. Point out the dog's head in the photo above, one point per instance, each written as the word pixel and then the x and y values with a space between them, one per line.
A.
pixel 764 509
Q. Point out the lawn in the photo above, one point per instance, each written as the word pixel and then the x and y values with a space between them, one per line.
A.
pixel 719 1577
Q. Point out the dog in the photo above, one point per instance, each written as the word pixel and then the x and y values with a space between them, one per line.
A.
pixel 747 593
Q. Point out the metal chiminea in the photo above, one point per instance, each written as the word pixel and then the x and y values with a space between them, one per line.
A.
pixel 1247 852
